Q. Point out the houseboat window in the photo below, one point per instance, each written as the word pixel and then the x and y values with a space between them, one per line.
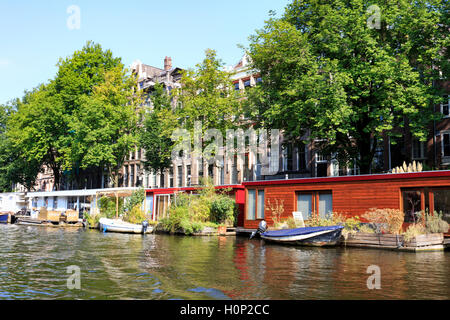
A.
pixel 412 205
pixel 260 213
pixel 55 202
pixel 251 205
pixel 325 204
pixel 162 205
pixel 304 205
pixel 442 203
pixel 446 144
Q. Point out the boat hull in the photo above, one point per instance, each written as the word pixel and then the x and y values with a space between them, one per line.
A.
pixel 110 225
pixel 4 218
pixel 315 239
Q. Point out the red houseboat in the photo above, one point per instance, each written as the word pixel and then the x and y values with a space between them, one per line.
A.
pixel 350 195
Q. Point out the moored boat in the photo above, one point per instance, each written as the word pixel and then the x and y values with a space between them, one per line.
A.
pixel 4 217
pixel 117 225
pixel 309 236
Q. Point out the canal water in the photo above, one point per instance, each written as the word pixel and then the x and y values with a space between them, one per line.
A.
pixel 34 264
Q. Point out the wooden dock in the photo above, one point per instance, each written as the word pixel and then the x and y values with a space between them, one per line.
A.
pixel 425 242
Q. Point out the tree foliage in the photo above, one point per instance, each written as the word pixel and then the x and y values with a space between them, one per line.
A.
pixel 86 117
pixel 328 75
pixel 159 123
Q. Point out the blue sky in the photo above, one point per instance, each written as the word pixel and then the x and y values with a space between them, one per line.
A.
pixel 34 34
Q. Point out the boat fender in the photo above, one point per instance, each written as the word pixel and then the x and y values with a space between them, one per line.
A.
pixel 144 226
pixel 104 229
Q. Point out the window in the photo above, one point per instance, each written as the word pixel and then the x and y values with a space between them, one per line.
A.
pixel 258 80
pixel 321 165
pixel 287 158
pixel 313 203
pixel 255 204
pixel 171 177
pixel 260 205
pixel 445 106
pixel 55 202
pixel 412 205
pixel 445 138
pixel 301 160
pixel 304 205
pixel 251 205
pixel 418 149
pixel 236 86
pixel 71 202
pixel 180 176
pixel 247 83
pixel 132 175
pixel 325 204
pixel 188 175
pixel 442 203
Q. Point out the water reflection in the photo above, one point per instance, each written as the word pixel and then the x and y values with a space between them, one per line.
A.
pixel 117 266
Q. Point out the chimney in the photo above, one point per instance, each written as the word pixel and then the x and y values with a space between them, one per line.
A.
pixel 167 63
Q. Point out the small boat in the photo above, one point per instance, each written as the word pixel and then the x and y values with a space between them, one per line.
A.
pixel 4 217
pixel 310 236
pixel 117 225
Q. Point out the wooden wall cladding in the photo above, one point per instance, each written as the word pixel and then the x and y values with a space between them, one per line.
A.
pixel 352 197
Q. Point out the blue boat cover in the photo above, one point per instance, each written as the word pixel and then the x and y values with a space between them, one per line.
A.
pixel 299 231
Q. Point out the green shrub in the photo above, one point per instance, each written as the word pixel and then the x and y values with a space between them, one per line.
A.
pixel 107 206
pixel 435 224
pixel 136 215
pixel 222 210
pixel 136 198
pixel 413 231
pixel 190 213
pixel 92 220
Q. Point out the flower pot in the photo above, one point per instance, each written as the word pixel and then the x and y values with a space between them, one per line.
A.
pixel 222 230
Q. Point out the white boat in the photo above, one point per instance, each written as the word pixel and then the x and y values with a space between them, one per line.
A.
pixel 117 225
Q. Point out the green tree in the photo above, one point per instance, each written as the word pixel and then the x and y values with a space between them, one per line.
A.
pixel 84 118
pixel 36 131
pixel 327 73
pixel 207 95
pixel 159 123
pixel 14 168
pixel 104 126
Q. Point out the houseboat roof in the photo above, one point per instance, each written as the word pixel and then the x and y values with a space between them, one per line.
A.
pixel 367 177
pixel 185 189
pixel 82 192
